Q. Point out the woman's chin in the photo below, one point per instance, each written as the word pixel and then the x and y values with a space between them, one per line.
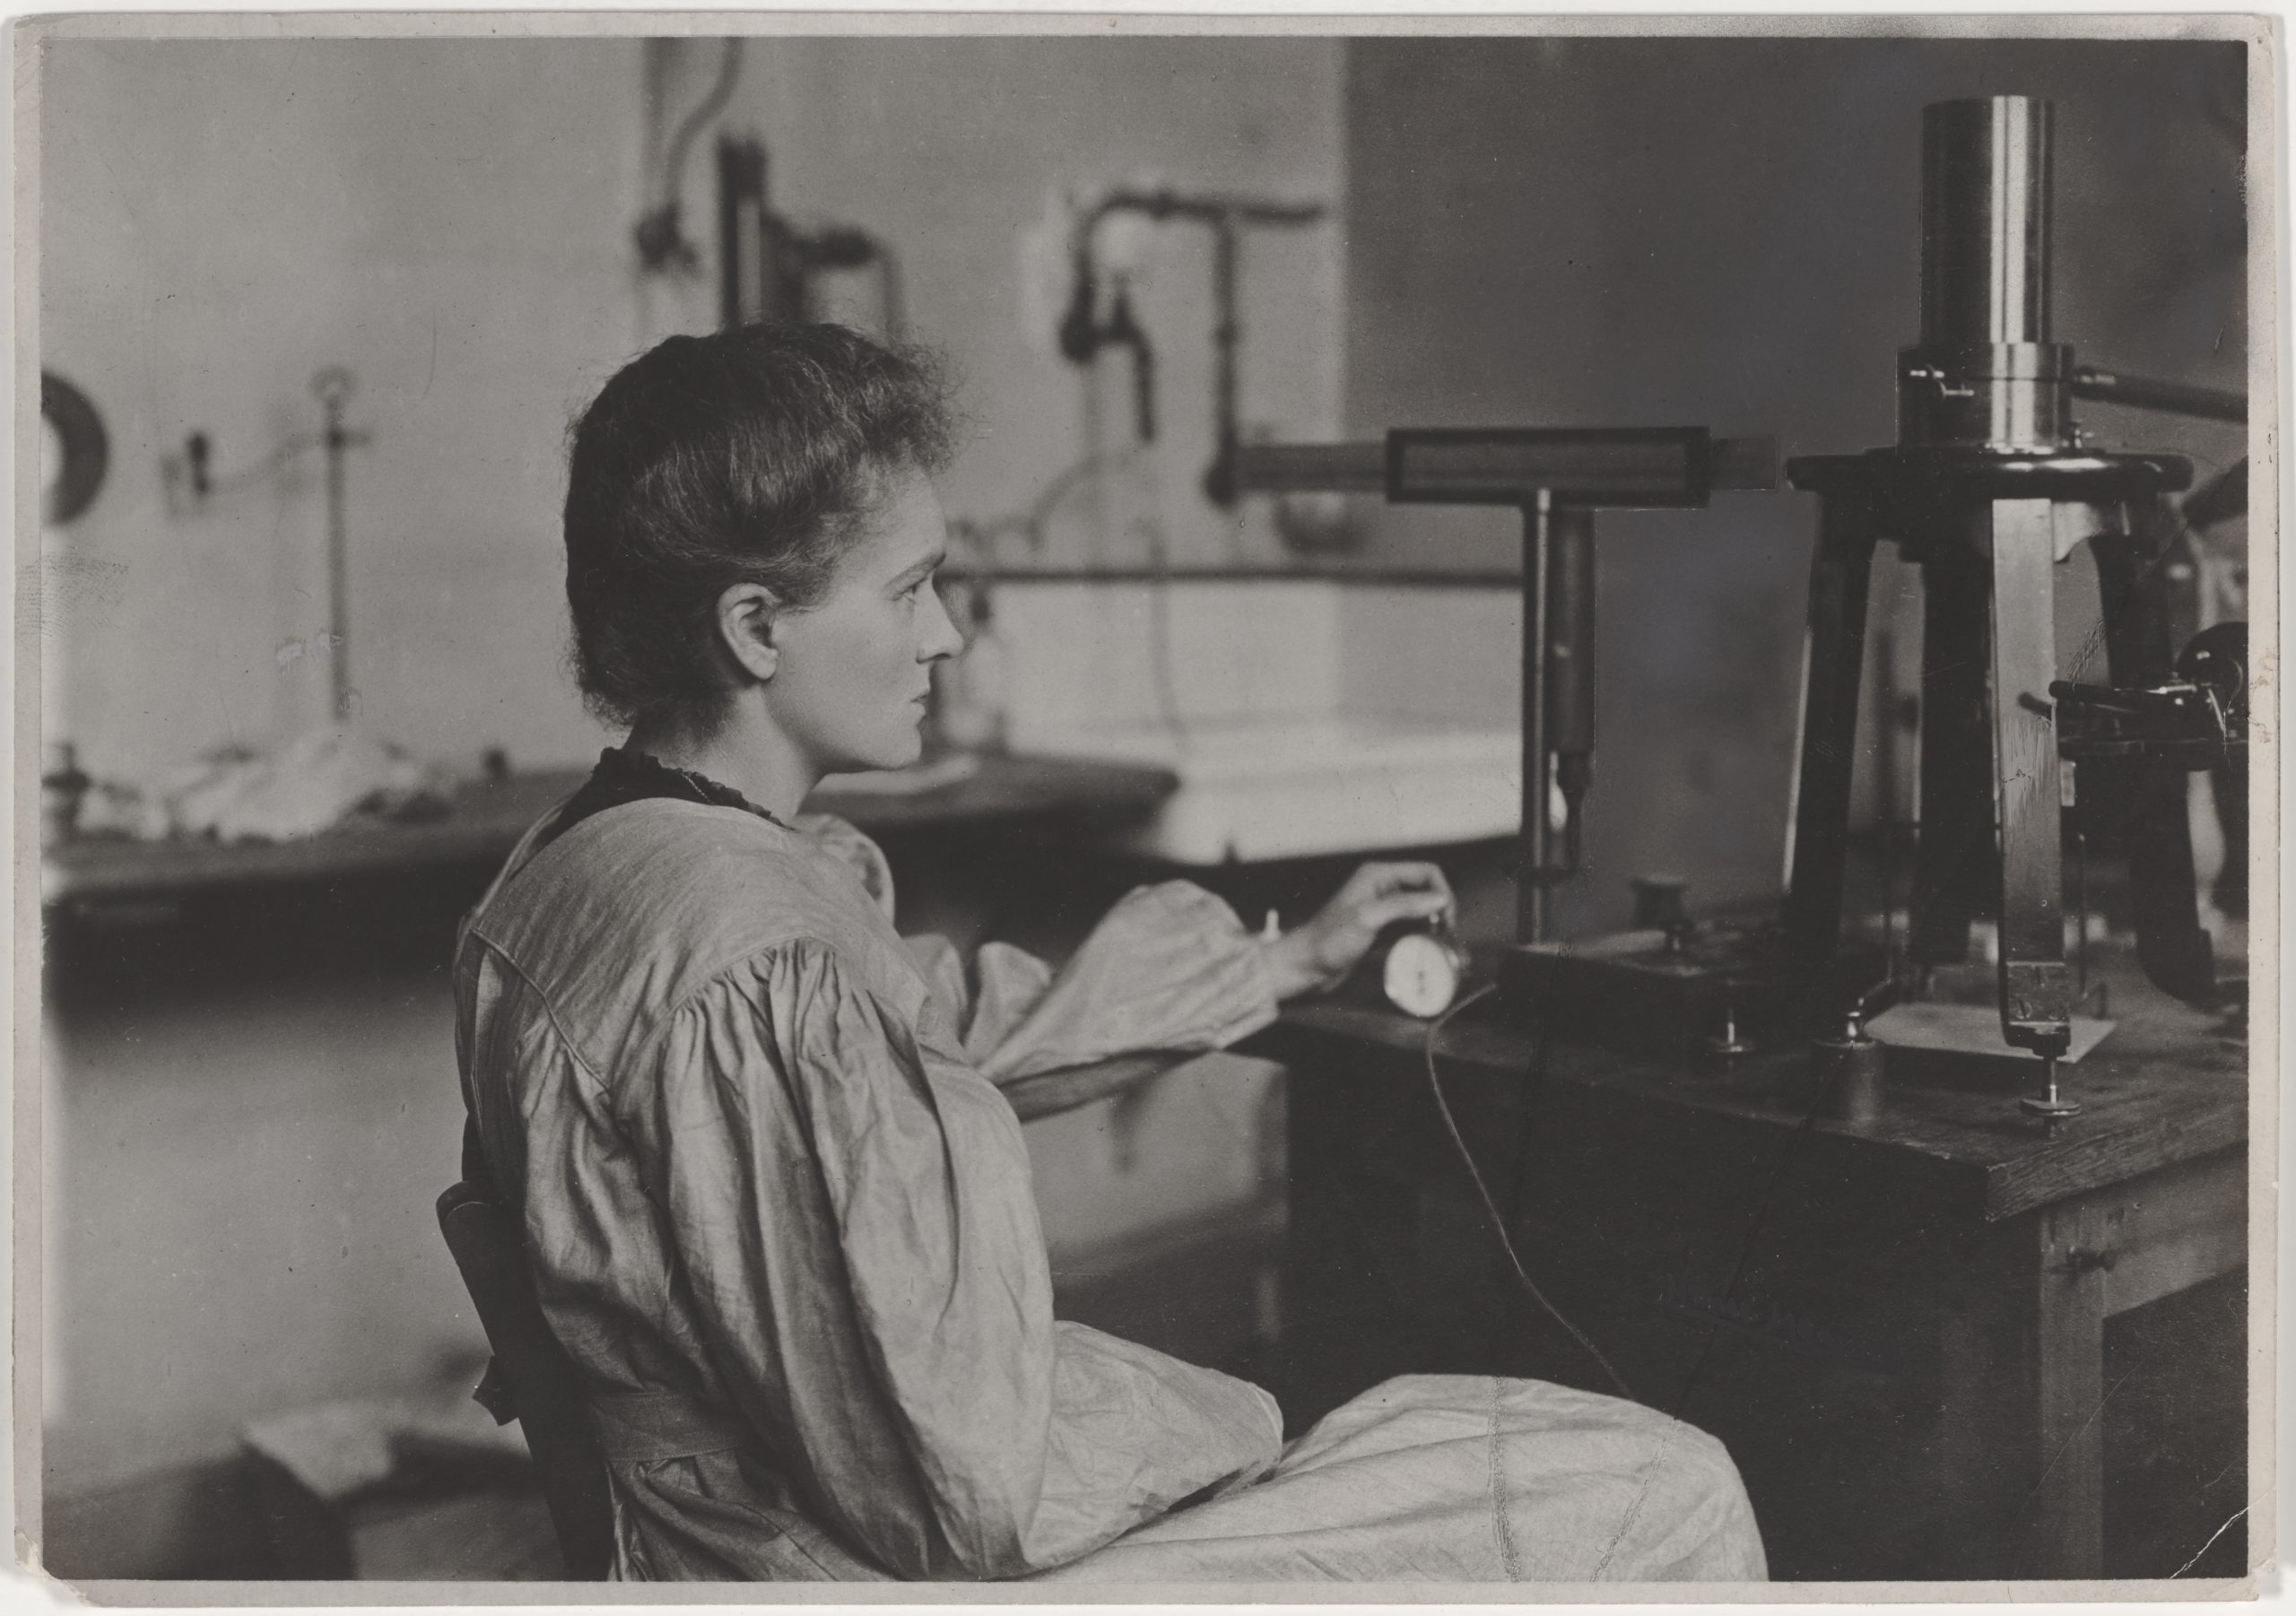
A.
pixel 894 754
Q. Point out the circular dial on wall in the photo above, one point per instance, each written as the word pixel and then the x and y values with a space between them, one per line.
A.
pixel 73 450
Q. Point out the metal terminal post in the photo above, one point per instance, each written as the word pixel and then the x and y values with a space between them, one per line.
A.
pixel 1727 1045
pixel 2053 1108
pixel 1851 1072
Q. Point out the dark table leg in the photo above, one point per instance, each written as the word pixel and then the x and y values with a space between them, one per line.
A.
pixel 2069 1391
pixel 2022 1448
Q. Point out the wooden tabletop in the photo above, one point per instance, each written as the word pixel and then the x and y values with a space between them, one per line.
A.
pixel 2165 1087
pixel 486 817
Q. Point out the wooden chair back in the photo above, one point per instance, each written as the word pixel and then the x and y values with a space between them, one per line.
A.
pixel 542 1380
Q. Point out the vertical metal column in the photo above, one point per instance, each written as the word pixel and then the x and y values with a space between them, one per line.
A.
pixel 1986 376
pixel 334 387
pixel 1538 833
pixel 2036 986
pixel 1840 576
pixel 1985 219
pixel 1952 874
pixel 1570 668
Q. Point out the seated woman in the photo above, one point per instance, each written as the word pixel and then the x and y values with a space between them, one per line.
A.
pixel 780 1213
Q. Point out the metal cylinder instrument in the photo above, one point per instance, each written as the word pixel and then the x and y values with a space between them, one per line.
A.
pixel 1986 489
pixel 1985 373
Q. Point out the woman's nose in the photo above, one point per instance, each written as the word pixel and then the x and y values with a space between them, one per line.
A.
pixel 943 639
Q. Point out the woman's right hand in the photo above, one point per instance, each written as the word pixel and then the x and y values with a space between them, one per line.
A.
pixel 1317 954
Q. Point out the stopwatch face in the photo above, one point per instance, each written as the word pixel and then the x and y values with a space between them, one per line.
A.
pixel 1423 976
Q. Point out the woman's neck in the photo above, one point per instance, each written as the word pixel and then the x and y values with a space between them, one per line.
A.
pixel 746 751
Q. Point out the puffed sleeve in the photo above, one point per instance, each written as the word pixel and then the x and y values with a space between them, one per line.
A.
pixel 848 844
pixel 1169 967
pixel 851 1204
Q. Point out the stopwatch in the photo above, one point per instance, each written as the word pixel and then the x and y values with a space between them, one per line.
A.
pixel 1423 972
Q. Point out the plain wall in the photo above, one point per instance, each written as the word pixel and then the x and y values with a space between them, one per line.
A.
pixel 453 221
pixel 241 1176
pixel 239 1211
pixel 1727 232
pixel 218 222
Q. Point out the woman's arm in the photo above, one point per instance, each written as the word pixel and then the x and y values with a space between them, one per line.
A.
pixel 1172 969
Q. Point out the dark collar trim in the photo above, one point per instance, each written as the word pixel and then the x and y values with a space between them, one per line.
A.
pixel 641 774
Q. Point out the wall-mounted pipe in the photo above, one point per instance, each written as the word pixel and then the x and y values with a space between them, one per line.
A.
pixel 1083 334
pixel 660 234
pixel 768 266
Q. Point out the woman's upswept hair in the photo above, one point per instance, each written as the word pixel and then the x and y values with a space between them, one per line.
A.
pixel 752 455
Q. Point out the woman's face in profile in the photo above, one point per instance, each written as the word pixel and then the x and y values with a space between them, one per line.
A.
pixel 855 670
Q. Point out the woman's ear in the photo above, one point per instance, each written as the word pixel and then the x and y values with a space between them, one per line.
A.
pixel 745 616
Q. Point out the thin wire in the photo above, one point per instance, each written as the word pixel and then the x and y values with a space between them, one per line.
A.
pixel 1030 524
pixel 1159 635
pixel 1490 1207
pixel 1041 509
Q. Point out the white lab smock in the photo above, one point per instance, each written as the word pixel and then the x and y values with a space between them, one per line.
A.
pixel 764 1169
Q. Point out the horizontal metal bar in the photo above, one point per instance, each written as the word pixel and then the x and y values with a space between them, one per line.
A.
pixel 2148 392
pixel 1287 468
pixel 1468 465
pixel 1505 465
pixel 1210 207
pixel 1414 577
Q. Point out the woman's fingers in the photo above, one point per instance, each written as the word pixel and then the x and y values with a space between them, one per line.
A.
pixel 1422 904
pixel 1423 884
pixel 1379 880
pixel 1374 898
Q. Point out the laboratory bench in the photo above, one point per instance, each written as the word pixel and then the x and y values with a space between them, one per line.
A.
pixel 485 817
pixel 1939 1345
